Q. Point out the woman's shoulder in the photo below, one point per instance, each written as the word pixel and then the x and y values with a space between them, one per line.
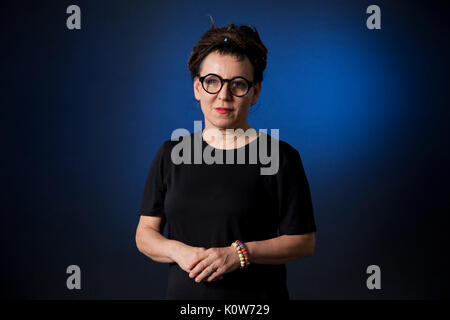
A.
pixel 168 144
pixel 285 149
pixel 174 140
pixel 287 156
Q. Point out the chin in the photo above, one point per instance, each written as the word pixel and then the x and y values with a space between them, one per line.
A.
pixel 223 123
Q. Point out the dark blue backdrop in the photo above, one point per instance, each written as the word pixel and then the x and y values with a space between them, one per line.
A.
pixel 84 111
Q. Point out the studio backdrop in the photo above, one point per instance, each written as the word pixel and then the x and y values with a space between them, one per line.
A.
pixel 91 89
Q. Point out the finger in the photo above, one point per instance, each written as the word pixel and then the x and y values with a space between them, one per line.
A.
pixel 205 273
pixel 214 276
pixel 195 265
pixel 199 259
pixel 198 268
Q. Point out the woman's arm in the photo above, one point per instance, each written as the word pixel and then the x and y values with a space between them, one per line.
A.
pixel 152 243
pixel 281 249
pixel 277 250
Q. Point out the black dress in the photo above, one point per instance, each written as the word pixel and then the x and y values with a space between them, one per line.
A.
pixel 212 205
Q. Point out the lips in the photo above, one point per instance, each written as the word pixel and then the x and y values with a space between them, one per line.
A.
pixel 222 110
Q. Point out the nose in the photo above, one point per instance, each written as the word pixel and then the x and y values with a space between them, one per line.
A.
pixel 224 93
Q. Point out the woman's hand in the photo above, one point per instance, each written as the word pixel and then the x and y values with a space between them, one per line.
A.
pixel 187 257
pixel 215 263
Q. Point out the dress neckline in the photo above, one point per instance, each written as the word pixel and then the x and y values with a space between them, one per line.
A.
pixel 232 149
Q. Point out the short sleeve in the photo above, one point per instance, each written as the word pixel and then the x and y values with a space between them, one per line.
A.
pixel 296 214
pixel 152 203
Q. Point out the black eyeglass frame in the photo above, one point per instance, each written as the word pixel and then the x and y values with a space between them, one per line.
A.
pixel 249 83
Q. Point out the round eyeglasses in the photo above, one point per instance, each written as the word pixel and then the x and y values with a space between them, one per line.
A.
pixel 238 86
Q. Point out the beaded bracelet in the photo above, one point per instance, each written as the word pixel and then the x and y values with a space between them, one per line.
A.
pixel 242 251
pixel 241 257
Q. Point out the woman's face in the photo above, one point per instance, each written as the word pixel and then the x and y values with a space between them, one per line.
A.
pixel 227 67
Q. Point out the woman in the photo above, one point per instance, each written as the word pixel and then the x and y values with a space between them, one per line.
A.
pixel 208 207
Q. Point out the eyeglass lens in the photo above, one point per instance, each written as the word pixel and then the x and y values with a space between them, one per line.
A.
pixel 212 84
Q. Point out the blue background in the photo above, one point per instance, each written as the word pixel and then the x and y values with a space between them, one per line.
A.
pixel 84 111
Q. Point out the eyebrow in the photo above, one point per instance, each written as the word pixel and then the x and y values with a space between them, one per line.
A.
pixel 227 78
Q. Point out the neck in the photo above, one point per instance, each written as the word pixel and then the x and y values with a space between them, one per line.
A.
pixel 227 140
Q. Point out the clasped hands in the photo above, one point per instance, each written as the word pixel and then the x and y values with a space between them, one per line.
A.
pixel 207 264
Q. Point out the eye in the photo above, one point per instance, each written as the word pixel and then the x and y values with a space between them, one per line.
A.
pixel 212 81
pixel 239 84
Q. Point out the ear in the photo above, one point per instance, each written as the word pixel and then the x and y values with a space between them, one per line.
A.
pixel 256 91
pixel 197 85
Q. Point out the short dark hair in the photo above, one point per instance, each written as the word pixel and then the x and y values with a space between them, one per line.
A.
pixel 237 40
